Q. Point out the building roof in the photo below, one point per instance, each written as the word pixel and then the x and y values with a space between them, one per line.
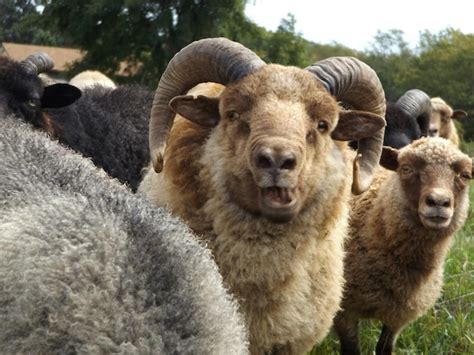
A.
pixel 62 57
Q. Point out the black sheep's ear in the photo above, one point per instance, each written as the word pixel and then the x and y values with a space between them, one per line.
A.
pixel 59 95
pixel 389 158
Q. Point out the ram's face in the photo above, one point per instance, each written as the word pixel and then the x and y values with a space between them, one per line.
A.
pixel 435 177
pixel 274 130
pixel 272 142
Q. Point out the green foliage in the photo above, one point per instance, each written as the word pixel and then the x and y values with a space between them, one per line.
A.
pixel 19 23
pixel 392 59
pixel 445 68
pixel 144 33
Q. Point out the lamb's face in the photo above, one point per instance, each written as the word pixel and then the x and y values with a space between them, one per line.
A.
pixel 434 175
pixel 440 122
pixel 274 133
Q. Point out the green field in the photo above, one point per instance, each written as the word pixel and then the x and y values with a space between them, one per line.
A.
pixel 446 329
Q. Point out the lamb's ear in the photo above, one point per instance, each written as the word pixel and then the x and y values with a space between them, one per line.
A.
pixel 389 158
pixel 356 125
pixel 59 95
pixel 458 114
pixel 202 110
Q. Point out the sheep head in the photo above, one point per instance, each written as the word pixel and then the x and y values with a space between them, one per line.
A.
pixel 441 123
pixel 24 93
pixel 222 61
pixel 408 118
pixel 434 177
pixel 275 129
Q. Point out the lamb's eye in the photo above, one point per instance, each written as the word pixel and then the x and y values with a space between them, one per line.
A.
pixel 322 126
pixel 465 175
pixel 232 115
pixel 406 169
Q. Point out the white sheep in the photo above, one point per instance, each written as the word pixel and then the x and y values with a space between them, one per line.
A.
pixel 257 170
pixel 86 267
pixel 400 232
pixel 441 122
pixel 91 78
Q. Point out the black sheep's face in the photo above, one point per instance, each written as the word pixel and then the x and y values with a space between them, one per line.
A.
pixel 24 95
pixel 401 129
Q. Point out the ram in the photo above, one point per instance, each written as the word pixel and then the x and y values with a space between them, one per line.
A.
pixel 408 118
pixel 260 171
pixel 110 126
pixel 400 233
pixel 441 123
pixel 89 268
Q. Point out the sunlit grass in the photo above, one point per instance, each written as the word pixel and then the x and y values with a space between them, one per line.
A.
pixel 448 328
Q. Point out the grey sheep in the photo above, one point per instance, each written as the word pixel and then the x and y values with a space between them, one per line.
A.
pixel 87 267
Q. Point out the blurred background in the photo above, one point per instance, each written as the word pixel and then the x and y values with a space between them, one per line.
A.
pixel 133 40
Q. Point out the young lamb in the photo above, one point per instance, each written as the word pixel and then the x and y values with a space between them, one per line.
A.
pixel 110 126
pixel 257 170
pixel 90 78
pixel 88 268
pixel 400 232
pixel 441 123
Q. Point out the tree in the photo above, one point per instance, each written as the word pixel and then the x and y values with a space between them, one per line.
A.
pixel 19 23
pixel 143 33
pixel 287 47
pixel 445 68
pixel 392 59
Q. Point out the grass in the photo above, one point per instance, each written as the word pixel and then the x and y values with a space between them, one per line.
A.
pixel 448 328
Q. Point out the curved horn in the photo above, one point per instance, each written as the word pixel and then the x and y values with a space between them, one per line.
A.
pixel 37 63
pixel 417 104
pixel 214 59
pixel 355 83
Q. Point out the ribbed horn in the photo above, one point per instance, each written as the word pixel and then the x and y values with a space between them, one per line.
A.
pixel 417 104
pixel 214 59
pixel 354 83
pixel 37 63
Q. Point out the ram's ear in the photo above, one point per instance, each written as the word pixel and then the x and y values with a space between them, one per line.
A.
pixel 356 125
pixel 202 110
pixel 59 95
pixel 458 114
pixel 389 158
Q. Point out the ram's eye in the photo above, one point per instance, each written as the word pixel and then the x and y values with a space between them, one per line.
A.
pixel 465 175
pixel 232 115
pixel 323 126
pixel 32 103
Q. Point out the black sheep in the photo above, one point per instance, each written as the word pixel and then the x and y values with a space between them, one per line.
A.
pixel 407 119
pixel 110 126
